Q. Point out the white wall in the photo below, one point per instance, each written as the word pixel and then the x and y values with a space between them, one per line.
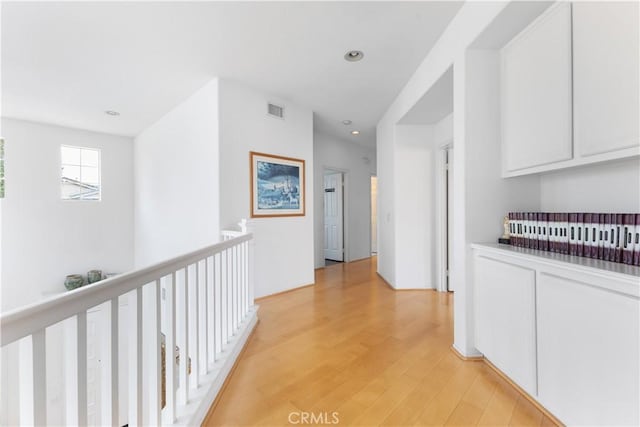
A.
pixel 385 158
pixel 609 187
pixel 45 238
pixel 417 202
pixel 442 136
pixel 481 197
pixel 470 21
pixel 177 180
pixel 443 130
pixel 283 246
pixel 414 203
pixel 358 163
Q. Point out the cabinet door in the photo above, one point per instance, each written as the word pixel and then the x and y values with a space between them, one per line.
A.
pixel 505 319
pixel 588 353
pixel 605 75
pixel 536 93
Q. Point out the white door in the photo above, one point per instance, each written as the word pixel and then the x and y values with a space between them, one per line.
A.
pixel 333 235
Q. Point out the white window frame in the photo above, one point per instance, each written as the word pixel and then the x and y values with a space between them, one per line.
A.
pixel 99 167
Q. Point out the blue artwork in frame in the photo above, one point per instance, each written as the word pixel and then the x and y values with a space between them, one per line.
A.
pixel 277 186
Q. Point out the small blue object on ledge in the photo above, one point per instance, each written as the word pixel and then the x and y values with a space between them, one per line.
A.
pixel 73 281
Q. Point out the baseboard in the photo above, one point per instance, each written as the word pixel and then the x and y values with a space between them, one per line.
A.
pixel 474 358
pixel 519 389
pixel 284 292
pixel 226 381
pixel 211 385
pixel 524 394
pixel 403 289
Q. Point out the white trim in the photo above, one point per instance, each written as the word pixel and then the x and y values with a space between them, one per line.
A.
pixel 373 175
pixel 615 277
pixel 441 215
pixel 345 212
pixel 211 384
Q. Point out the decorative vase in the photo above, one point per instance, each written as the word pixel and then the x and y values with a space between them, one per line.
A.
pixel 73 281
pixel 94 276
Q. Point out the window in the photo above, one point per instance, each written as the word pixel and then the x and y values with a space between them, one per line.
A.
pixel 80 173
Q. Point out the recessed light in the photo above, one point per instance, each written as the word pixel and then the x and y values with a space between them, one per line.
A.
pixel 355 132
pixel 346 122
pixel 112 113
pixel 354 55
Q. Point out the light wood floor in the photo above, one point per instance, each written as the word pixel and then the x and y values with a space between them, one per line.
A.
pixel 375 356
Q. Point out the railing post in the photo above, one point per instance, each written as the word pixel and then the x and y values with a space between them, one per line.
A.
pixel 228 311
pixel 234 289
pixel 183 367
pixel 203 299
pixel 194 327
pixel 245 284
pixel 224 307
pixel 169 350
pixel 216 303
pixel 135 357
pixel 209 311
pixel 109 325
pixel 251 267
pixel 33 375
pixel 154 354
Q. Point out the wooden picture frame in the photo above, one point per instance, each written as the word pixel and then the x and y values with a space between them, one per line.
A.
pixel 277 185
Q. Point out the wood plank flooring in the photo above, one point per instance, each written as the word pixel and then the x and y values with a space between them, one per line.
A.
pixel 374 356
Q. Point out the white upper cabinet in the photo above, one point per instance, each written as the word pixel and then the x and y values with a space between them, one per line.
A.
pixel 570 85
pixel 536 92
pixel 605 76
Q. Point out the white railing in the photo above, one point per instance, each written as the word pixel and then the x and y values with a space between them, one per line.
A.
pixel 103 354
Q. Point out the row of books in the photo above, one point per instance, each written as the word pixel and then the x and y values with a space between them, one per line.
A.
pixel 607 236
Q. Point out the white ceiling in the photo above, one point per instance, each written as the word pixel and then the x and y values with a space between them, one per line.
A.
pixel 66 62
pixel 434 105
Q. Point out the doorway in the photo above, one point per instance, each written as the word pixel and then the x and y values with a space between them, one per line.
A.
pixel 374 215
pixel 333 216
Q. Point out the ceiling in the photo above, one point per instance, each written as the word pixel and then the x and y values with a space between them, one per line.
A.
pixel 434 105
pixel 67 62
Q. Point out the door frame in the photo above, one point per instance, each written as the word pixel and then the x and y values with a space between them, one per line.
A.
pixel 442 247
pixel 345 210
pixel 373 175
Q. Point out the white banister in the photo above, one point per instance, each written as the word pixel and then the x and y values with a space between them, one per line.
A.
pixel 33 403
pixel 194 315
pixel 183 339
pixel 155 357
pixel 197 307
pixel 171 370
pixel 110 371
pixel 202 317
pixel 135 358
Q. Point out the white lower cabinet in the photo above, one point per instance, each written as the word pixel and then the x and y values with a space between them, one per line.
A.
pixel 565 329
pixel 505 333
pixel 588 353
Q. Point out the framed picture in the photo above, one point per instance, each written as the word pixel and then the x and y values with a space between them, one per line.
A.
pixel 277 185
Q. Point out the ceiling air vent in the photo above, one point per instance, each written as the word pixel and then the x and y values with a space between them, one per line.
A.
pixel 275 110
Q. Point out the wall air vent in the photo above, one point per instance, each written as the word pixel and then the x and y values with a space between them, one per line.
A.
pixel 275 110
